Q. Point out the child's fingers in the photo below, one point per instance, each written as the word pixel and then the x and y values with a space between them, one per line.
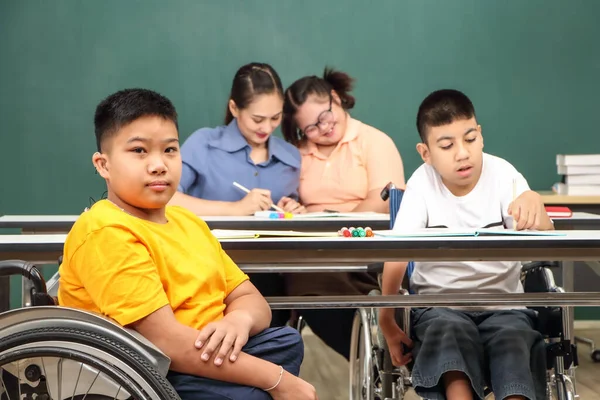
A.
pixel 237 348
pixel 204 334
pixel 226 345
pixel 213 343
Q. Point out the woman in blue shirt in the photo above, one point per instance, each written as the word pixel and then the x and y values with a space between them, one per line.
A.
pixel 242 151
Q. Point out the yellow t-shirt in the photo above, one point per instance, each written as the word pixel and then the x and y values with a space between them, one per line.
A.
pixel 126 267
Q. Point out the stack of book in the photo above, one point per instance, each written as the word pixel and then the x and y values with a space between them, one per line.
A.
pixel 581 174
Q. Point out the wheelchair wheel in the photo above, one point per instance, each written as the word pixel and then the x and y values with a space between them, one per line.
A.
pixel 560 387
pixel 361 365
pixel 62 363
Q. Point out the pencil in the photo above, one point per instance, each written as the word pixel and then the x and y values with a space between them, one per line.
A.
pixel 237 185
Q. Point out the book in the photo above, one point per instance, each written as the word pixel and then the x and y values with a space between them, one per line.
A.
pixel 578 159
pixel 559 212
pixel 253 234
pixel 577 190
pixel 578 169
pixel 446 232
pixel 577 180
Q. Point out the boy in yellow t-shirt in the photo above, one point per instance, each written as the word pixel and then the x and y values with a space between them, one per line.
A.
pixel 160 271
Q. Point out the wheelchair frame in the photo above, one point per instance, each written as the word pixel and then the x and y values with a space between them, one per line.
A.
pixel 373 377
pixel 46 330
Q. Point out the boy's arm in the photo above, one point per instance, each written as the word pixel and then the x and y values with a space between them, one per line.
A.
pixel 177 342
pixel 245 301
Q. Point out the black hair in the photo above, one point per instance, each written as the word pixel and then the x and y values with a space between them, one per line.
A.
pixel 251 80
pixel 300 90
pixel 125 106
pixel 443 107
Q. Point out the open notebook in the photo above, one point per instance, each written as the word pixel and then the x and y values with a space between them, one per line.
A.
pixel 445 232
pixel 250 234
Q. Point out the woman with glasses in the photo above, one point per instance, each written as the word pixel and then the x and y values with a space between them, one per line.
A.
pixel 345 166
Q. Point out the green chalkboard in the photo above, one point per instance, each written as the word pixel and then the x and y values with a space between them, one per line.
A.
pixel 531 68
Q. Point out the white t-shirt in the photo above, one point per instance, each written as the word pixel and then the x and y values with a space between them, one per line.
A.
pixel 427 203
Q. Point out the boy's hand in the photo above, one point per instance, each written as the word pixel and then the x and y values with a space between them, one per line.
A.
pixel 395 337
pixel 528 211
pixel 290 205
pixel 293 388
pixel 229 334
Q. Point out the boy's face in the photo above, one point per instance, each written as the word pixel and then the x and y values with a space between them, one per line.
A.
pixel 142 166
pixel 456 152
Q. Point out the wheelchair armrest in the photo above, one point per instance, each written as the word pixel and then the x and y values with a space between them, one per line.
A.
pixel 537 277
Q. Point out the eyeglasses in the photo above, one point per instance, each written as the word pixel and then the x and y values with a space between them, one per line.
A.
pixel 324 121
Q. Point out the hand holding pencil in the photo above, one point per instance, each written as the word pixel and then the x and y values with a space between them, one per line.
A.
pixel 256 200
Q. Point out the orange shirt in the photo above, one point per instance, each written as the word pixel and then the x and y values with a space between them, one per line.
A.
pixel 365 159
pixel 126 267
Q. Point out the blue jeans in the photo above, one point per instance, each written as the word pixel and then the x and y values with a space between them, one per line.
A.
pixel 282 346
pixel 501 348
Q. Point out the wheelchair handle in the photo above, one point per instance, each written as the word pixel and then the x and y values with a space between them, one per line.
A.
pixel 26 269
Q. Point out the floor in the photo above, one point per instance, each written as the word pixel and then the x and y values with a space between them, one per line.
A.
pixel 328 371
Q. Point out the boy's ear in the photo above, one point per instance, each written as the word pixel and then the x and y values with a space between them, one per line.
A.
pixel 101 163
pixel 423 150
pixel 480 134
pixel 234 109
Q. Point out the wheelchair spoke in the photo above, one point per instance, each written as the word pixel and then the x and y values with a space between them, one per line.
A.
pixel 46 375
pixel 3 385
pixel 59 372
pixel 19 379
pixel 77 381
pixel 92 385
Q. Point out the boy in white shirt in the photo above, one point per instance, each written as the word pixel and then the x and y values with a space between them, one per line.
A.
pixel 460 186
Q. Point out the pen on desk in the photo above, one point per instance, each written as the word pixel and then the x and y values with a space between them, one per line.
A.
pixel 242 188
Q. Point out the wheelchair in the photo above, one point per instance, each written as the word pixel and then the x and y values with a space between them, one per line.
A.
pixel 48 352
pixel 373 377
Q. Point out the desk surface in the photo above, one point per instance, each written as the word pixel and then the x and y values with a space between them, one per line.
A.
pixel 574 245
pixel 63 223
pixel 551 198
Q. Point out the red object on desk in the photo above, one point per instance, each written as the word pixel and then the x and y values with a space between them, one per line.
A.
pixel 559 212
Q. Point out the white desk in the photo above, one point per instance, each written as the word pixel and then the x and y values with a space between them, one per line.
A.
pixel 287 252
pixel 573 246
pixel 63 223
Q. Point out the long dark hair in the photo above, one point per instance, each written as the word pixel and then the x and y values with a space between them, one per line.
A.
pixel 251 80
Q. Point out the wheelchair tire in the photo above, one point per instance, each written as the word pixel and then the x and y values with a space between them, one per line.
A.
pixel 153 385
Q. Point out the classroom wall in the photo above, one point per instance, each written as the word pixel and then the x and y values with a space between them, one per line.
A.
pixel 531 68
